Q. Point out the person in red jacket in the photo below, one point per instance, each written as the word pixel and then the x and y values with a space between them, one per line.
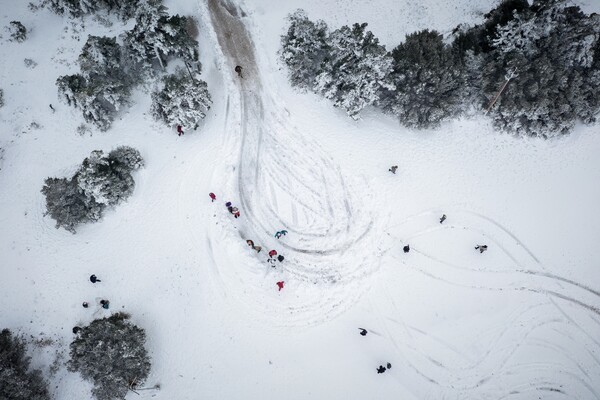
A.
pixel 280 285
pixel 272 253
pixel 179 130
pixel 212 197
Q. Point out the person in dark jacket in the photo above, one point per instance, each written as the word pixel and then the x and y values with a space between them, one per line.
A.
pixel 179 130
pixel 76 330
pixel 105 304
pixel 406 248
pixel 443 219
pixel 85 304
pixel 381 369
pixel 481 248
pixel 93 279
pixel 389 366
pixel 238 69
pixel 280 258
pixel 363 331
pixel 393 169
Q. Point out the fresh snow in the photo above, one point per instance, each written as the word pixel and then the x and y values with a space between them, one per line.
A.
pixel 521 320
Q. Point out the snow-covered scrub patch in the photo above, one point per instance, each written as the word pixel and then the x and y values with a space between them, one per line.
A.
pixel 124 9
pixel 111 353
pixel 17 380
pixel 1 97
pixel 534 69
pixel 99 182
pixel 17 31
pixel 183 100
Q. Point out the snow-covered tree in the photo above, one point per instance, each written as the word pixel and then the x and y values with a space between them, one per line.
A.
pixel 111 353
pixel 125 158
pixel 427 79
pixel 1 97
pixel 124 9
pixel 100 58
pixel 182 100
pixel 17 381
pixel 356 71
pixel 304 49
pixel 17 31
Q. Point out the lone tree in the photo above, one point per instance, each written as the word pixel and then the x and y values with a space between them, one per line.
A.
pixel 182 101
pixel 16 381
pixel 110 353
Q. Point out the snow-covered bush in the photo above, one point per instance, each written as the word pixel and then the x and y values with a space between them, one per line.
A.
pixel 99 182
pixel 182 100
pixel 17 31
pixel 550 48
pixel 111 353
pixel 428 81
pixel 356 71
pixel 1 98
pixel 304 49
pixel 124 9
pixel 17 382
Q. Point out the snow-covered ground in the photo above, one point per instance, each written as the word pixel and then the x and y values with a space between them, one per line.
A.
pixel 521 320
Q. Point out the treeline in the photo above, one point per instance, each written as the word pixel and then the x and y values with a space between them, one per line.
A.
pixel 533 69
pixel 111 67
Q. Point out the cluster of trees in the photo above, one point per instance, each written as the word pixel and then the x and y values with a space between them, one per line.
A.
pixel 109 352
pixel 112 67
pixel 534 69
pixel 17 31
pixel 101 181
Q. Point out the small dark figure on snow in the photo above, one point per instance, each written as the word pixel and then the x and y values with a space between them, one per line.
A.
pixel 212 197
pixel 235 212
pixel 272 261
pixel 250 243
pixel 93 279
pixel 280 258
pixel 280 234
pixel 85 304
pixel 280 285
pixel 179 130
pixel 393 169
pixel 481 248
pixel 105 304
pixel 381 369
pixel 272 253
pixel 228 204
pixel 52 108
pixel 230 209
pixel 76 329
pixel 389 366
pixel 257 248
pixel 238 69
pixel 406 248
pixel 443 219
pixel 363 331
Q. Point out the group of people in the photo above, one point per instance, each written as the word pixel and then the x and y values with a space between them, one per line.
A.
pixel 232 210
pixel 381 369
pixel 103 302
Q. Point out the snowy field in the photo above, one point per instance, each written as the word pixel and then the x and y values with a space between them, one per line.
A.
pixel 520 321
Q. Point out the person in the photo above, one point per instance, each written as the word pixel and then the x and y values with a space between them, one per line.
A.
pixel 281 233
pixel 272 253
pixel 257 248
pixel 280 285
pixel 271 261
pixel 443 219
pixel 105 304
pixel 363 331
pixel 234 210
pixel 85 304
pixel 280 258
pixel 389 366
pixel 238 69
pixel 76 330
pixel 179 130
pixel 212 197
pixel 236 213
pixel 381 369
pixel 228 204
pixel 230 209
pixel 52 108
pixel 481 248
pixel 250 243
pixel 406 248
pixel 93 279
pixel 393 169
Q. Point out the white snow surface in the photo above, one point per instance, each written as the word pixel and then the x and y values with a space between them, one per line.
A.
pixel 521 320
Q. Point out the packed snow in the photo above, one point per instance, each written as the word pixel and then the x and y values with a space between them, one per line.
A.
pixel 521 320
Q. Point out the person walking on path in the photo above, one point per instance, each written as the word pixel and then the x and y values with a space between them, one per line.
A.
pixel 105 304
pixel 481 248
pixel 280 234
pixel 406 248
pixel 250 243
pixel 363 331
pixel 238 69
pixel 393 169
pixel 280 285
pixel 443 219
pixel 212 197
pixel 179 130
pixel 93 279
pixel 272 253
pixel 236 212
pixel 280 258
pixel 381 369
pixel 85 304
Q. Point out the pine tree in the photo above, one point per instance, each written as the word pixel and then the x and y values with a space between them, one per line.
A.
pixel 357 70
pixel 304 49
pixel 182 100
pixel 428 81
pixel 17 382
pixel 111 353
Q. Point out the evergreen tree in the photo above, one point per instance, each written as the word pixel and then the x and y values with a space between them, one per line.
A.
pixel 304 49
pixel 182 101
pixel 17 382
pixel 111 353
pixel 356 71
pixel 428 81
pixel 125 158
pixel 18 32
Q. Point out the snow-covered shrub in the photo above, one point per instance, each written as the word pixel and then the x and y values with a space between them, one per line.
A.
pixel 111 353
pixel 304 49
pixel 550 48
pixel 427 79
pixel 99 182
pixel 124 9
pixel 182 100
pixel 17 31
pixel 16 381
pixel 68 205
pixel 356 70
